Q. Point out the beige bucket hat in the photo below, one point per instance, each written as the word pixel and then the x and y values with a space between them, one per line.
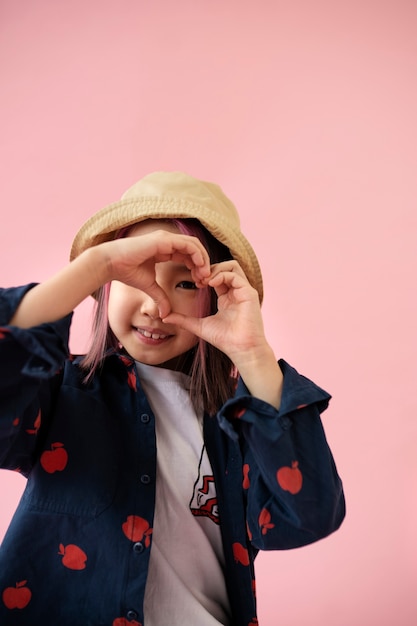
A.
pixel 165 195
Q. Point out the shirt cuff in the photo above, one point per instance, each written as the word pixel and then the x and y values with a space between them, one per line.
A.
pixel 298 393
pixel 46 345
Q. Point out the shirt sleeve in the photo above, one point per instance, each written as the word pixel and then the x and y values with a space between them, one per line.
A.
pixel 293 492
pixel 30 363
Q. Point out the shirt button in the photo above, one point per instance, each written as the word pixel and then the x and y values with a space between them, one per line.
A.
pixel 131 615
pixel 144 418
pixel 138 547
pixel 145 479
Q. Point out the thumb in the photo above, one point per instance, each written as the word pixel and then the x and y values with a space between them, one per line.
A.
pixel 158 295
pixel 192 324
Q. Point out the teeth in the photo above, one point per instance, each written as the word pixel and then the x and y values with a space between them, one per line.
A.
pixel 147 334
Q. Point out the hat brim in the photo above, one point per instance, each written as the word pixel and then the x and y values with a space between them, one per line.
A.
pixel 104 225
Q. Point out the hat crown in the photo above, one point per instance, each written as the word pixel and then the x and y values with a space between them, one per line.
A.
pixel 183 187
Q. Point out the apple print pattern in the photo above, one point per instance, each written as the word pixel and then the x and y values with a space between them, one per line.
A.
pixel 137 529
pixel 265 521
pixel 122 621
pixel 36 425
pixel 248 531
pixel 72 556
pixel 290 478
pixel 131 372
pixel 240 553
pixel 239 412
pixel 55 459
pixel 85 507
pixel 246 481
pixel 17 597
pixel 126 360
pixel 131 379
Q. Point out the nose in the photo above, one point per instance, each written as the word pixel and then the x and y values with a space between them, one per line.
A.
pixel 149 307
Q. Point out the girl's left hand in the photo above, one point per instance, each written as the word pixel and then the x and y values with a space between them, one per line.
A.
pixel 237 327
pixel 237 330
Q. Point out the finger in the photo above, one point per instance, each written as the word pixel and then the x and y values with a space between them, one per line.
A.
pixel 227 266
pixel 199 276
pixel 230 279
pixel 235 286
pixel 192 324
pixel 160 298
pixel 191 263
pixel 190 250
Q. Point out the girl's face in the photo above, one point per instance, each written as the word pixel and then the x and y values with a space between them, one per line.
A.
pixel 134 318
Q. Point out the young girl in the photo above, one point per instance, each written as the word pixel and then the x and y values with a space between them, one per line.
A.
pixel 159 463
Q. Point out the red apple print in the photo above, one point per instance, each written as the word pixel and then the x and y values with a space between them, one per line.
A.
pixel 246 481
pixel 36 425
pixel 16 421
pixel 72 556
pixel 131 379
pixel 3 333
pixel 122 621
pixel 54 460
pixel 238 412
pixel 240 553
pixel 17 597
pixel 290 478
pixel 302 406
pixel 136 529
pixel 264 521
pixel 248 530
pixel 126 360
pixel 253 622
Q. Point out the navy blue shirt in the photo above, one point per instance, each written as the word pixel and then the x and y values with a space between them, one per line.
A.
pixel 77 550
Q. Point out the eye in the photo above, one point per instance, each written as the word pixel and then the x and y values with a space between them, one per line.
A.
pixel 187 284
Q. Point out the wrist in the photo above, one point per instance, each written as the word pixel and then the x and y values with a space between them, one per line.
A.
pixel 262 375
pixel 97 266
pixel 256 356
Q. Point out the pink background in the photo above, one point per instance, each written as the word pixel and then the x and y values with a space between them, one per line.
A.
pixel 305 113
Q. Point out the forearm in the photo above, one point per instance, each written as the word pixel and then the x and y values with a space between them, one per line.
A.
pixel 59 295
pixel 262 375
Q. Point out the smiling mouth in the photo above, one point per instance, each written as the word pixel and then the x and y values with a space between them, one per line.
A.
pixel 149 335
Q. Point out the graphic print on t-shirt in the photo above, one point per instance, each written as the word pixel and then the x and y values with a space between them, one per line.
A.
pixel 204 500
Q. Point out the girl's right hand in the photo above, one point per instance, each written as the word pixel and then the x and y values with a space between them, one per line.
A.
pixel 130 260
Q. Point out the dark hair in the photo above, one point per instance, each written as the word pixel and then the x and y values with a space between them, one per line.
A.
pixel 213 376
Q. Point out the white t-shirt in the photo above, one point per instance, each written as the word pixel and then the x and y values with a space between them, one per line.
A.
pixel 185 585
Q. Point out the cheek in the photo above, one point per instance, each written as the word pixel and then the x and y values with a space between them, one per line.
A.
pixel 188 340
pixel 188 306
pixel 194 304
pixel 205 302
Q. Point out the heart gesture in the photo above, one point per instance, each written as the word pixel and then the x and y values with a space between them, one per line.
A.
pixel 237 327
pixel 133 259
pixel 237 330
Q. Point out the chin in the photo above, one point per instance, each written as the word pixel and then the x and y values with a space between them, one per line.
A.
pixel 181 363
